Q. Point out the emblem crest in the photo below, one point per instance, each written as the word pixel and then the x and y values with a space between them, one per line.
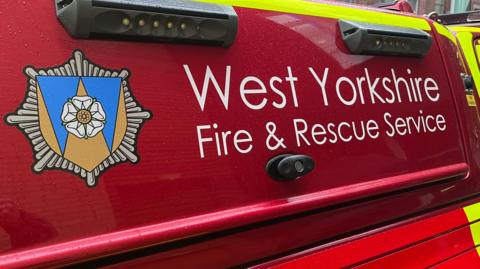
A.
pixel 79 117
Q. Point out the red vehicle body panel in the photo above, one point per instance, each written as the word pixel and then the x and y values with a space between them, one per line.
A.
pixel 225 210
pixel 464 260
pixel 419 244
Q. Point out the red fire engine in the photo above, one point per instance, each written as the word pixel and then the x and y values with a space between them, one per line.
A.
pixel 238 133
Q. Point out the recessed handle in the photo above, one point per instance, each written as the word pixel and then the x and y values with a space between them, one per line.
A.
pixel 289 166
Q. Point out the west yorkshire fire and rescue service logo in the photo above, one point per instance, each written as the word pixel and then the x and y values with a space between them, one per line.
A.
pixel 79 117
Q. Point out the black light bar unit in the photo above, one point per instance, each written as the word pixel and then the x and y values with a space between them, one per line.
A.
pixel 176 21
pixel 377 39
pixel 459 18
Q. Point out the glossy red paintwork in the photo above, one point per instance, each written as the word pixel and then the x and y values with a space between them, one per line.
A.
pixel 439 247
pixel 419 244
pixel 259 243
pixel 428 252
pixel 173 193
pixel 468 259
pixel 365 248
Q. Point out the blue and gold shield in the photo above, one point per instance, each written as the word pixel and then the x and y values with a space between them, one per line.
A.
pixel 80 117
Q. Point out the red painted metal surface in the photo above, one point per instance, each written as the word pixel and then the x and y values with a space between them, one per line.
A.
pixel 260 243
pixel 440 240
pixel 468 259
pixel 132 238
pixel 383 242
pixel 426 253
pixel 173 193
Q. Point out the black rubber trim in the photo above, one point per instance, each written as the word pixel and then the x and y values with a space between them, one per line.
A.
pixel 459 18
pixel 152 250
pixel 385 4
pixel 399 34
pixel 140 7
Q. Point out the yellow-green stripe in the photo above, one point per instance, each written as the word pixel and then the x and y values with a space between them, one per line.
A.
pixel 465 40
pixel 465 29
pixel 328 11
pixel 445 32
pixel 473 214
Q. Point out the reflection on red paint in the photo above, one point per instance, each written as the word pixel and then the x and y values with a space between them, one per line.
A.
pixel 23 228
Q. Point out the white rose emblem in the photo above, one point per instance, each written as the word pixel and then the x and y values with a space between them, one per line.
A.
pixel 83 116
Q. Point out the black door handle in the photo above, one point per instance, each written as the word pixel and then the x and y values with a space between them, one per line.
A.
pixel 289 167
pixel 149 20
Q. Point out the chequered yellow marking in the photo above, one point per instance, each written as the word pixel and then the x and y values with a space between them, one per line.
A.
pixel 473 214
pixel 471 100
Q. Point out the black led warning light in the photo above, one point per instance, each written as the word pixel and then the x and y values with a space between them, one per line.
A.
pixel 149 20
pixel 377 39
